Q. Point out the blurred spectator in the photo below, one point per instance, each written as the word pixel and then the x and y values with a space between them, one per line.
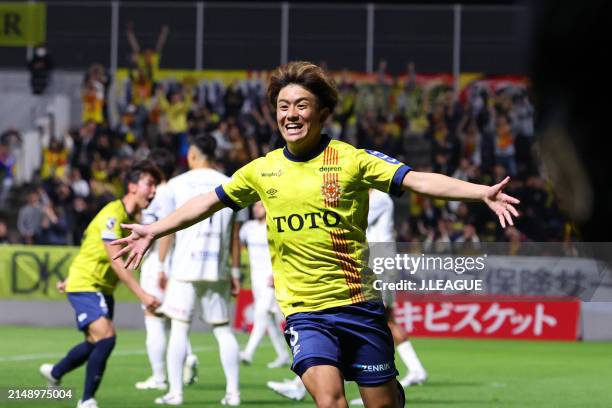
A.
pixel 504 144
pixel 79 217
pixel 142 151
pixel 83 141
pixel 463 172
pixel 31 215
pixel 176 110
pixel 55 160
pixel 103 145
pixel 233 100
pixel 147 60
pixel 468 235
pixel 521 116
pixel 101 80
pixel 11 138
pixel 7 162
pixel 79 186
pixel 221 135
pixel 54 227
pixel 470 139
pixel 515 238
pixel 93 101
pixel 242 151
pixel 40 66
pixel 428 221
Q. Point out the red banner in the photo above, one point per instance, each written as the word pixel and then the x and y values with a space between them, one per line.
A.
pixel 243 319
pixel 533 319
pixel 469 316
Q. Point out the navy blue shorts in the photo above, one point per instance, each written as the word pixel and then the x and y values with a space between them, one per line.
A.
pixel 354 338
pixel 90 306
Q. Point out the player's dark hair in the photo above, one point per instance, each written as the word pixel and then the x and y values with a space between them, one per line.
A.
pixel 164 160
pixel 140 168
pixel 309 76
pixel 206 144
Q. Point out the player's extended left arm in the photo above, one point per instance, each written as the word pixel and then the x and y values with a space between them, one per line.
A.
pixel 448 188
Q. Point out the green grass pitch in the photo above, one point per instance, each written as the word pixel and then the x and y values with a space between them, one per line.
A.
pixel 463 373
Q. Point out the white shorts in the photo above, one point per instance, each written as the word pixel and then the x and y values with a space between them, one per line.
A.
pixel 263 298
pixel 182 296
pixel 149 275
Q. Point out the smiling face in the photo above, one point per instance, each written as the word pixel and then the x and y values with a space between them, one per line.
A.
pixel 299 117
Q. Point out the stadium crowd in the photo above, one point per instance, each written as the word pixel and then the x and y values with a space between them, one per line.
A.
pixel 481 136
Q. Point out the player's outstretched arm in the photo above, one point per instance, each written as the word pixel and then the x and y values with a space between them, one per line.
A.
pixel 142 236
pixel 132 38
pixel 448 188
pixel 161 40
pixel 125 276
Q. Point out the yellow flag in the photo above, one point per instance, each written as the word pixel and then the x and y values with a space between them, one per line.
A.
pixel 22 24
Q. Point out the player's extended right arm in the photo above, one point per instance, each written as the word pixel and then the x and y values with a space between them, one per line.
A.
pixel 142 236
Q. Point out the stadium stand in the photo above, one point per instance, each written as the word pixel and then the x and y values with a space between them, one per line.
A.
pixel 481 135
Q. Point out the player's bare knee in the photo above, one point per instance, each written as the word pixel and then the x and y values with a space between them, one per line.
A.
pixel 100 329
pixel 330 400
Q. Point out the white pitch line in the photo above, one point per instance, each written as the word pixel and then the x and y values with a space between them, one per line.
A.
pixel 40 356
pixel 133 352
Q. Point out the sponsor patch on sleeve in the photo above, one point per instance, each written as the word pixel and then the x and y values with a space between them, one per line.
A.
pixel 109 233
pixel 383 156
pixel 110 223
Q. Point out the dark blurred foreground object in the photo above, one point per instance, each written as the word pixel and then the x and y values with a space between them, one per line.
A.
pixel 40 66
pixel 571 60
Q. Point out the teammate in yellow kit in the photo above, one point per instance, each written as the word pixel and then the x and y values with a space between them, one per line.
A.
pixel 315 191
pixel 92 279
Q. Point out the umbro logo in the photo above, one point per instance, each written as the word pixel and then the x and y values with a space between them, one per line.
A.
pixel 272 193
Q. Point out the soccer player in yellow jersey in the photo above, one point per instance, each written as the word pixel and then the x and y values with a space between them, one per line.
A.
pixel 92 279
pixel 315 191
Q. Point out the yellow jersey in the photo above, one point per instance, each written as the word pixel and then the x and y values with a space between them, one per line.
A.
pixel 317 210
pixel 176 113
pixel 91 269
pixel 150 68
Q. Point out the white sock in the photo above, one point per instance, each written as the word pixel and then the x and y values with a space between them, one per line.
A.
pixel 228 350
pixel 277 339
pixel 156 345
pixel 409 357
pixel 177 351
pixel 297 381
pixel 188 349
pixel 260 324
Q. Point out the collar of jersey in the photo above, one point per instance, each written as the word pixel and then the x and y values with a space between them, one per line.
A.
pixel 131 216
pixel 319 149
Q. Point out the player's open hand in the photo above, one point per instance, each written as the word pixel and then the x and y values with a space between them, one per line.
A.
pixel 501 203
pixel 135 245
pixel 150 302
pixel 61 286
